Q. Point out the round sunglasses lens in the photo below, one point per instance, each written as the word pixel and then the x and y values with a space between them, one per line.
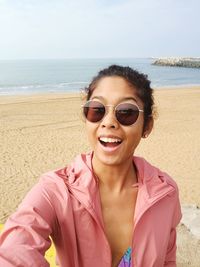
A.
pixel 93 111
pixel 127 114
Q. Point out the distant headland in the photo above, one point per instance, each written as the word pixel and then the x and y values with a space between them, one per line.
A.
pixel 187 62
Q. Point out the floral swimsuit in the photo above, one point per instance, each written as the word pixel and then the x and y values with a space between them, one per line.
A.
pixel 126 259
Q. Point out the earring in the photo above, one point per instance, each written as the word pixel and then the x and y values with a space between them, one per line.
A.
pixel 145 135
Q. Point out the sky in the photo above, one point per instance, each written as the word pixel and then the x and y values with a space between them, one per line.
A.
pixel 56 29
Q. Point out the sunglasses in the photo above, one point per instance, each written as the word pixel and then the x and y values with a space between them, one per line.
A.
pixel 125 113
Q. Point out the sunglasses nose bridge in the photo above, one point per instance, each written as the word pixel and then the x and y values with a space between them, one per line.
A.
pixel 109 108
pixel 109 116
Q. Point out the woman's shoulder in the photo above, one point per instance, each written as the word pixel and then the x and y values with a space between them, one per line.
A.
pixel 159 184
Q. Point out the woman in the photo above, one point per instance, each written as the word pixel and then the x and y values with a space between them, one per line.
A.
pixel 108 207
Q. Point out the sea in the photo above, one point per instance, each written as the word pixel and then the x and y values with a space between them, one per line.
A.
pixel 21 77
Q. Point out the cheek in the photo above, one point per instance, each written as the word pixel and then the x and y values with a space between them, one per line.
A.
pixel 90 131
pixel 134 135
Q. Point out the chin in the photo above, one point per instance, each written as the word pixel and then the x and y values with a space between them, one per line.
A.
pixel 107 160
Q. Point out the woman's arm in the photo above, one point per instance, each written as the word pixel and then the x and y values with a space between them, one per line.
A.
pixel 170 260
pixel 26 233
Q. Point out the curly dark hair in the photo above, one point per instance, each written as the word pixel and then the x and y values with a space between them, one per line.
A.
pixel 136 79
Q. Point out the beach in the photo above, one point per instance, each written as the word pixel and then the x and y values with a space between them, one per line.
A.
pixel 43 132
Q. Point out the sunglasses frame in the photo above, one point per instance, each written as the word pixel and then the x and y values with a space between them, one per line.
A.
pixel 114 108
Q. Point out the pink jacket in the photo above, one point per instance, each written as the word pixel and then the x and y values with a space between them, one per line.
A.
pixel 65 205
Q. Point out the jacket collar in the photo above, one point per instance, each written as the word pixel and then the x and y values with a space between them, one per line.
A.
pixel 155 182
pixel 82 183
pixel 80 179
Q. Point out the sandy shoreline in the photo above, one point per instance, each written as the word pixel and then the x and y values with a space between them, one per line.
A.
pixel 45 132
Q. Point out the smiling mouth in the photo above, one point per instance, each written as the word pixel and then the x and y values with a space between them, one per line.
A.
pixel 110 142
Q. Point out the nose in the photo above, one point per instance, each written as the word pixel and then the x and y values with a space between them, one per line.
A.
pixel 109 119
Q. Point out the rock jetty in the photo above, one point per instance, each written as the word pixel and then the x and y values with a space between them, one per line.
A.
pixel 178 62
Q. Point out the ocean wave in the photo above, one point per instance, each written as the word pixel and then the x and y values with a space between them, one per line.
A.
pixel 41 88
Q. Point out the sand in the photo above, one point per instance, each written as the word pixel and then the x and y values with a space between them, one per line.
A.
pixel 44 132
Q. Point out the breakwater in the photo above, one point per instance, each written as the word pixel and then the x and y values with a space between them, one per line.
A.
pixel 178 62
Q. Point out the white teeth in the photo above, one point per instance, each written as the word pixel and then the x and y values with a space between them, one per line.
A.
pixel 109 140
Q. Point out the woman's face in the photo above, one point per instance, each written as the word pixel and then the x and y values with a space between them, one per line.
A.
pixel 103 135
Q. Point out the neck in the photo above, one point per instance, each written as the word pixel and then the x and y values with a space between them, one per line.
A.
pixel 115 177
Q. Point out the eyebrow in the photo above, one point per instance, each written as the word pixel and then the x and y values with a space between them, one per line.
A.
pixel 122 99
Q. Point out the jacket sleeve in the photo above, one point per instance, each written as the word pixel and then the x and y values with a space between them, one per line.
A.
pixel 26 233
pixel 170 260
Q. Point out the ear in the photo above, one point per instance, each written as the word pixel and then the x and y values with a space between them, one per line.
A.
pixel 148 128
